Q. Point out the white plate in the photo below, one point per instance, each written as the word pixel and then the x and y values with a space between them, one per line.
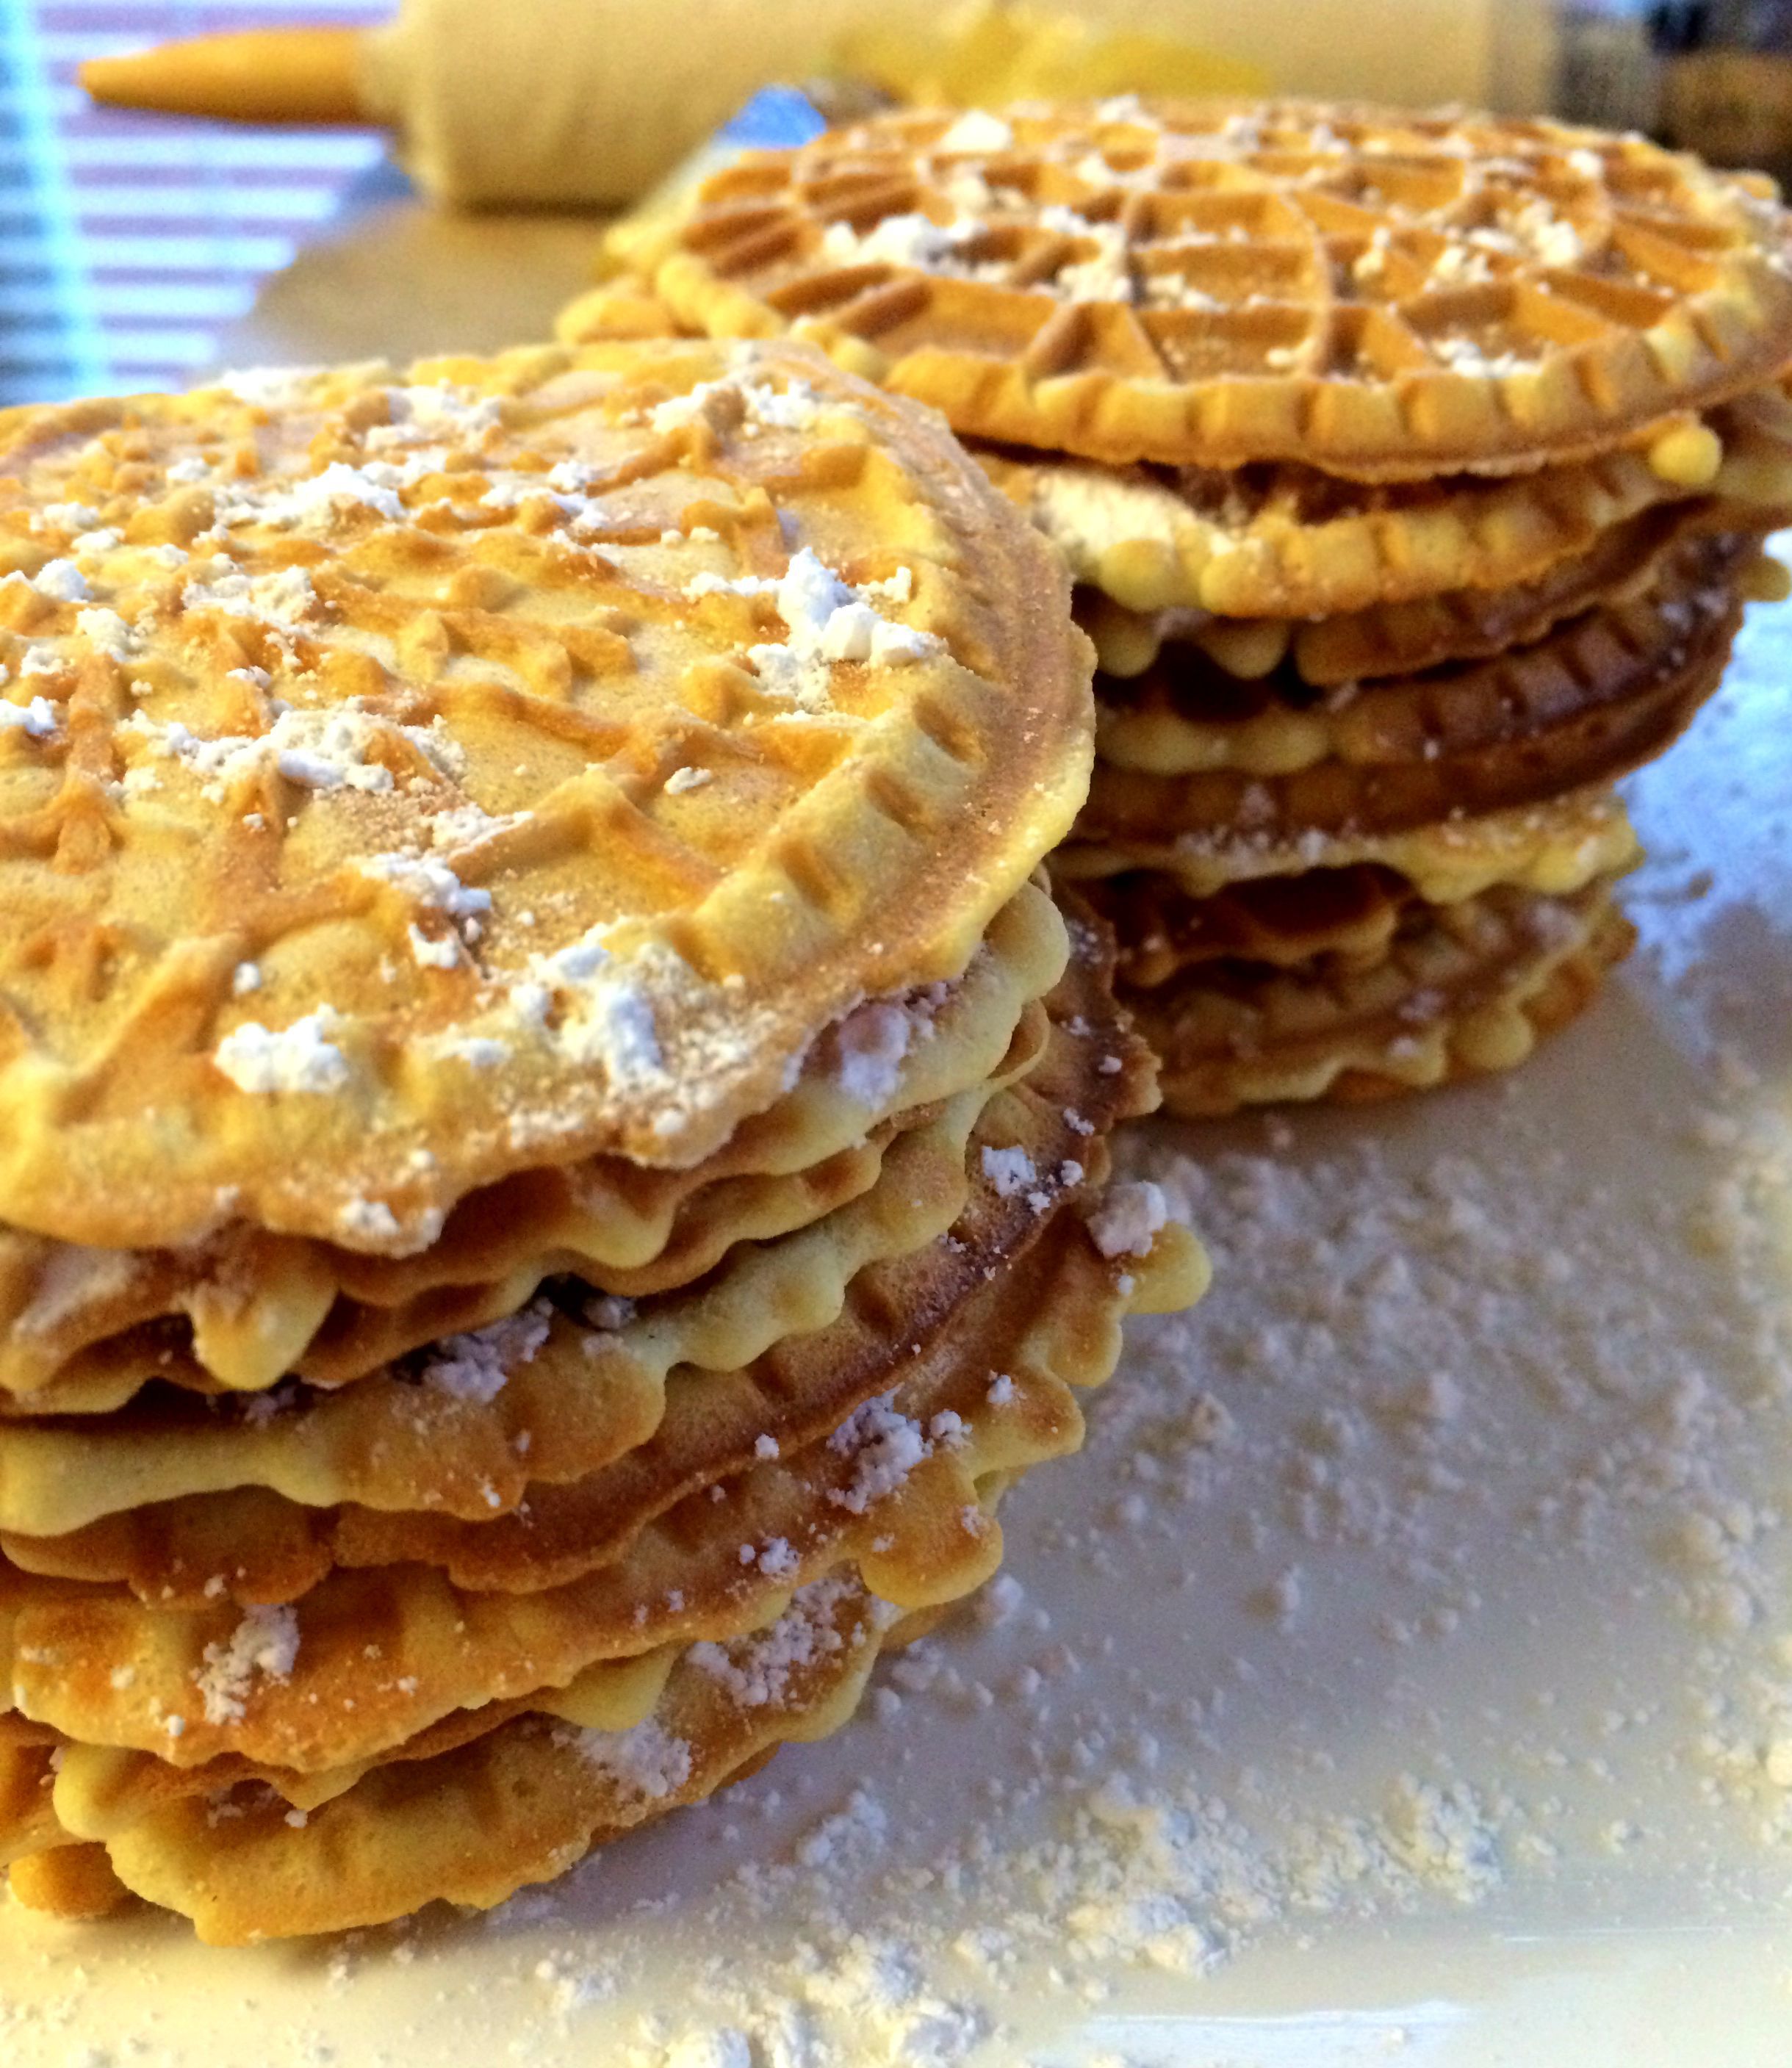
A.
pixel 1427 1699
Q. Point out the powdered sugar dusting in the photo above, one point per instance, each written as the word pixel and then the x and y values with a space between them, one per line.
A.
pixel 1128 1216
pixel 282 598
pixel 474 1367
pixel 885 1446
pixel 826 619
pixel 314 502
pixel 1009 1170
pixel 263 1646
pixel 338 747
pixel 297 1058
pixel 645 1761
pixel 872 1041
pixel 593 1008
pixel 763 1670
pixel 37 719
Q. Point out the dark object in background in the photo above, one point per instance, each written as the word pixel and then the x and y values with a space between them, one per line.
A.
pixel 1726 80
pixel 1713 76
pixel 1608 66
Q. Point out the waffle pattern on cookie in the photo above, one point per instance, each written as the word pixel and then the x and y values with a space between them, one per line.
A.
pixel 1386 296
pixel 411 779
pixel 84 1328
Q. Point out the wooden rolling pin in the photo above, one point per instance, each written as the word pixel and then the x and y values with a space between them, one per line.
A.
pixel 570 102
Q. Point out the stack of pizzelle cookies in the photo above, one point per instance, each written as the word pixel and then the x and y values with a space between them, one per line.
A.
pixel 1413 471
pixel 553 1140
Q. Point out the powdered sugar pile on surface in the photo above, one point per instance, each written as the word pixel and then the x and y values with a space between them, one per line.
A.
pixel 1415 1628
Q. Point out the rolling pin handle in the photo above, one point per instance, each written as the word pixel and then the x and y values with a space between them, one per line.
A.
pixel 306 75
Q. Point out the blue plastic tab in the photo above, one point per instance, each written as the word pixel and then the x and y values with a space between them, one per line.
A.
pixel 776 117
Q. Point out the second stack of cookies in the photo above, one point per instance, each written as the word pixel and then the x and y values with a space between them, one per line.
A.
pixel 1368 840
pixel 1413 470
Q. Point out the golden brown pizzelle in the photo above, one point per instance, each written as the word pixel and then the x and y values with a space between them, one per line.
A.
pixel 803 1325
pixel 84 1329
pixel 915 1542
pixel 1413 638
pixel 1384 295
pixel 906 1357
pixel 1556 847
pixel 1189 748
pixel 1351 966
pixel 568 738
pixel 1347 915
pixel 1459 989
pixel 1286 541
pixel 1412 467
pixel 556 1159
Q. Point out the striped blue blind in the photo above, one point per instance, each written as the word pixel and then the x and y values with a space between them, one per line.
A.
pixel 128 242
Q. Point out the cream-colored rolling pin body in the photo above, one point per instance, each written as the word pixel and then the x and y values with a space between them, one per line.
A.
pixel 589 100
pixel 566 102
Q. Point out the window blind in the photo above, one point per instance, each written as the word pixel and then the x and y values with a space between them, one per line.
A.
pixel 128 242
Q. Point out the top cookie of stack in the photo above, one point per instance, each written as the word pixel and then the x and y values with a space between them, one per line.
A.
pixel 1414 469
pixel 554 1145
pixel 543 706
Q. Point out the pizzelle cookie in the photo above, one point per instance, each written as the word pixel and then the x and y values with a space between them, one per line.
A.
pixel 245 1308
pixel 1391 639
pixel 1193 749
pixel 891 1489
pixel 1383 296
pixel 551 725
pixel 1457 991
pixel 556 1163
pixel 1413 470
pixel 1287 541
